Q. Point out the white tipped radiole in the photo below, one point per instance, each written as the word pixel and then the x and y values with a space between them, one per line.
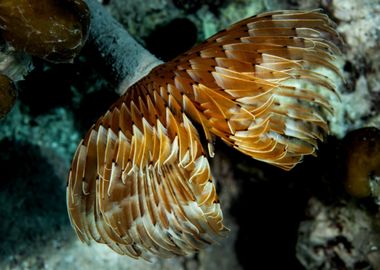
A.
pixel 140 181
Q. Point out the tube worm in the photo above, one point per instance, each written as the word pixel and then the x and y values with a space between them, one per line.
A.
pixel 140 180
pixel 53 30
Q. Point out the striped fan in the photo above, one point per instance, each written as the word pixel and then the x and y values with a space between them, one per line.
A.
pixel 140 180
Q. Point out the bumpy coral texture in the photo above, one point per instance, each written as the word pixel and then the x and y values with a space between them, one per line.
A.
pixel 140 180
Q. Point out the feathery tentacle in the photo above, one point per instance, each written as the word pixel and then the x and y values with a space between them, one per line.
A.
pixel 140 180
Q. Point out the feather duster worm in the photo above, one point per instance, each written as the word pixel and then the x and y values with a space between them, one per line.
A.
pixel 140 180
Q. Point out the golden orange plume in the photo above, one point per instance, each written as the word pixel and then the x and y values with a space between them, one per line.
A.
pixel 140 180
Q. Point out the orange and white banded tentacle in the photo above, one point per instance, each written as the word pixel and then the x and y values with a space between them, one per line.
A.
pixel 140 180
pixel 142 183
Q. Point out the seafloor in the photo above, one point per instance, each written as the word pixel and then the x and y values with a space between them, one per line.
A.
pixel 301 219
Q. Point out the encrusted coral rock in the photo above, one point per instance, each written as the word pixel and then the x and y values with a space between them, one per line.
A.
pixel 53 30
pixel 340 236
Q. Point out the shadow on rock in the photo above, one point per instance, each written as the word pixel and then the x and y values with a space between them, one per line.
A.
pixel 32 199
